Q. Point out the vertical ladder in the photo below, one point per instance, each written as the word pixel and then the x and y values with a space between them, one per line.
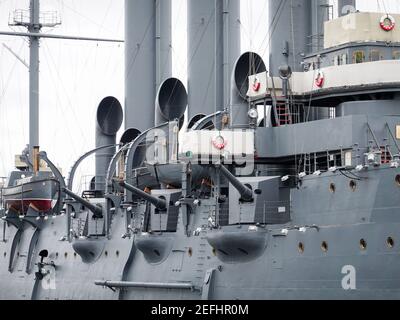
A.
pixel 307 163
pixel 284 114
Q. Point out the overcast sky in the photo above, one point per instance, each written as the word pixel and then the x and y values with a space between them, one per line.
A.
pixel 75 75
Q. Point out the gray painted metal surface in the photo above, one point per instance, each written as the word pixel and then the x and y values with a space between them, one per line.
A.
pixel 148 59
pixel 213 47
pixel 290 28
pixel 291 239
pixel 34 27
pixel 247 64
pixel 108 121
pixel 171 101
pixel 56 36
pixel 319 14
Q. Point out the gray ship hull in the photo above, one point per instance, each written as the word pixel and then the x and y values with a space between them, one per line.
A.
pixel 336 230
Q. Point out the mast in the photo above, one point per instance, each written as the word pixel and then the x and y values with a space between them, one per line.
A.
pixel 34 27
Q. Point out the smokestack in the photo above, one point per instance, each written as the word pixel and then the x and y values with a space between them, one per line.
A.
pixel 346 6
pixel 320 14
pixel 290 29
pixel 213 47
pixel 109 120
pixel 148 59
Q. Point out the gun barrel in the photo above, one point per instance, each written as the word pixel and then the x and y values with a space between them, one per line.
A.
pixel 245 192
pixel 157 202
pixel 97 210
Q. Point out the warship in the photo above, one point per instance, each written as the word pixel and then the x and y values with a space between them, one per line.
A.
pixel 282 183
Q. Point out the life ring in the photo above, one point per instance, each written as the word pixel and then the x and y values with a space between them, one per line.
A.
pixel 387 22
pixel 320 79
pixel 256 85
pixel 219 142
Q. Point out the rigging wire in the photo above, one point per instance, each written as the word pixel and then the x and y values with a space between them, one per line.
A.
pixel 6 85
pixel 56 91
pixel 65 91
pixel 182 64
pixel 135 54
pixel 269 33
pixel 100 25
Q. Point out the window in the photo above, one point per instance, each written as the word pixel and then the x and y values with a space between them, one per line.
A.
pixel 374 55
pixel 332 113
pixel 358 56
pixel 344 58
pixel 336 61
pixel 396 55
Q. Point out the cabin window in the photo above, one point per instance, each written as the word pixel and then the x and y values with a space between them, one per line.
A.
pixel 396 55
pixel 358 56
pixel 336 61
pixel 344 58
pixel 332 113
pixel 374 55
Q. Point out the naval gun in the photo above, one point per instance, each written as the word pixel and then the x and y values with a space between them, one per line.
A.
pixel 163 214
pixel 159 203
pixel 96 209
pixel 245 192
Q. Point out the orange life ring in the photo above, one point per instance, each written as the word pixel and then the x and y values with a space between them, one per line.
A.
pixel 320 79
pixel 387 22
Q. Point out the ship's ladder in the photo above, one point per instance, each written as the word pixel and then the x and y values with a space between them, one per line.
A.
pixel 307 163
pixel 284 114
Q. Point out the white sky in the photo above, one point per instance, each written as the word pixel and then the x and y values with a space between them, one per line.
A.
pixel 76 75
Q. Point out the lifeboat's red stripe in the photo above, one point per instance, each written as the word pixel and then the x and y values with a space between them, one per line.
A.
pixel 41 205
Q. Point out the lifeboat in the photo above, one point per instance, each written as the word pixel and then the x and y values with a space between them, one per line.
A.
pixel 39 192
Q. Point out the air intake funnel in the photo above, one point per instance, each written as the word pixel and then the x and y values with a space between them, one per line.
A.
pixel 129 135
pixel 248 64
pixel 108 121
pixel 171 101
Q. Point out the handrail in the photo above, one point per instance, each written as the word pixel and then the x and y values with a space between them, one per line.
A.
pixel 78 162
pixel 112 165
pixel 155 285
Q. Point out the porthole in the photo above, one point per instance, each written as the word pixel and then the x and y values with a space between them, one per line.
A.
pixel 390 242
pixel 5 254
pixel 56 254
pixel 324 246
pixel 301 247
pixel 74 254
pixel 106 253
pixel 398 180
pixel 190 252
pixel 66 255
pixel 117 253
pixel 353 185
pixel 363 244
pixel 332 187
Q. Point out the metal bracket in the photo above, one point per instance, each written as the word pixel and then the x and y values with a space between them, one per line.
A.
pixel 207 284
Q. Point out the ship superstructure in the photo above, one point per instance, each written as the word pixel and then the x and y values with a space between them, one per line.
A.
pixel 283 184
